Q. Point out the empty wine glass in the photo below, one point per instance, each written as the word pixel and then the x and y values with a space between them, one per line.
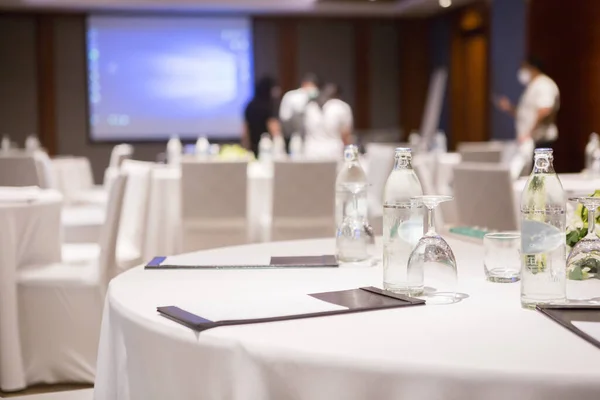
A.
pixel 584 259
pixel 432 265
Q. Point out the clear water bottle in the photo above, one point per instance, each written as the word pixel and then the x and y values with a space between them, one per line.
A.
pixel 543 245
pixel 202 147
pixel 296 146
pixel 592 145
pixel 279 147
pixel 32 143
pixel 265 148
pixel 5 143
pixel 174 150
pixel 402 223
pixel 351 209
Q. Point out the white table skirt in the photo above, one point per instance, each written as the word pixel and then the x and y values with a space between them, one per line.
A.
pixel 30 236
pixel 485 347
pixel 164 216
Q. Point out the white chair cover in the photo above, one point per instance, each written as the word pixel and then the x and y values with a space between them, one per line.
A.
pixel 61 309
pixel 30 221
pixel 484 196
pixel 120 153
pixel 425 165
pixel 18 170
pixel 46 174
pixel 132 227
pixel 214 204
pixel 381 163
pixel 303 200
pixel 488 152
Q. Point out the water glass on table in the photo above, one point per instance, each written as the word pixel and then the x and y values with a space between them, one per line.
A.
pixel 502 260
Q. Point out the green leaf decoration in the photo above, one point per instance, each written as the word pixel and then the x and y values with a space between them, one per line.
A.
pixel 576 274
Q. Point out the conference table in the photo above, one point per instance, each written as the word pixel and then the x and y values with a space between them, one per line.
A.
pixel 483 347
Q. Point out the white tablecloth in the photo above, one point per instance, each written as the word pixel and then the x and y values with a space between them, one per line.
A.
pixel 485 347
pixel 30 236
pixel 164 215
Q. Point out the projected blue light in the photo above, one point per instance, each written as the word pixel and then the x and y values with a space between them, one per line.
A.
pixel 151 77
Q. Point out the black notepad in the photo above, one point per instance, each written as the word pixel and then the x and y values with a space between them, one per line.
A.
pixel 323 261
pixel 357 300
pixel 565 315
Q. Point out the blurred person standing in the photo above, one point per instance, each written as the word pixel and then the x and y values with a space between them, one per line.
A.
pixel 535 114
pixel 260 114
pixel 293 105
pixel 328 122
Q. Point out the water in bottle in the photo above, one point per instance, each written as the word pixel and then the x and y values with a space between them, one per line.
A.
pixel 174 150
pixel 202 147
pixel 543 246
pixel 265 148
pixel 352 238
pixel 296 146
pixel 402 223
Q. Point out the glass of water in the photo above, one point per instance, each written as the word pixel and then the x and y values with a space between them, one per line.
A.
pixel 502 261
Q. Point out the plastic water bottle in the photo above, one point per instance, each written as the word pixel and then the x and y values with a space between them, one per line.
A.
pixel 543 243
pixel 441 144
pixel 414 139
pixel 32 143
pixel 592 145
pixel 5 143
pixel 402 223
pixel 351 209
pixel 202 147
pixel 265 148
pixel 279 147
pixel 296 146
pixel 174 150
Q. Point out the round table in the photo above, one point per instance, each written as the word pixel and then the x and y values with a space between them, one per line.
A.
pixel 485 347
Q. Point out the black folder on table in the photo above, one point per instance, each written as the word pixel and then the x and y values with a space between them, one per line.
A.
pixel 322 261
pixel 357 300
pixel 566 314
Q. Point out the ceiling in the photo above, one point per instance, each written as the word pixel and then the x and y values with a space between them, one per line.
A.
pixel 321 7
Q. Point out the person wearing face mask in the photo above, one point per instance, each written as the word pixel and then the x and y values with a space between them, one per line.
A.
pixel 535 114
pixel 293 106
pixel 328 122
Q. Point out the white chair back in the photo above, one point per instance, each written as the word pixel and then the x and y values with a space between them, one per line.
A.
pixel 120 153
pixel 381 163
pixel 214 204
pixel 484 196
pixel 303 199
pixel 47 176
pixel 110 229
pixel 18 170
pixel 134 215
pixel 74 175
pixel 483 152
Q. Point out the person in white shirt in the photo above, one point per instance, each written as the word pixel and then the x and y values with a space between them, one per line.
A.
pixel 328 123
pixel 293 105
pixel 535 114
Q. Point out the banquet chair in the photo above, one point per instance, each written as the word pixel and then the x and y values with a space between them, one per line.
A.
pixel 488 152
pixel 303 200
pixel 214 204
pixel 18 170
pixel 484 196
pixel 47 177
pixel 60 308
pixel 119 153
pixel 381 163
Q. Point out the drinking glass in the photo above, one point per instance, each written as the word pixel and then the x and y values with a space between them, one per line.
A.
pixel 586 253
pixel 432 265
pixel 502 260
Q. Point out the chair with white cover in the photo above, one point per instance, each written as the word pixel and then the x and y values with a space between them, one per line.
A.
pixel 488 152
pixel 47 176
pixel 214 204
pixel 134 218
pixel 303 200
pixel 119 153
pixel 425 165
pixel 484 196
pixel 60 308
pixel 381 163
pixel 18 170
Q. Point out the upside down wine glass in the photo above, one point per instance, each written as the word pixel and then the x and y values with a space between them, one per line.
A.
pixel 432 265
pixel 585 255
